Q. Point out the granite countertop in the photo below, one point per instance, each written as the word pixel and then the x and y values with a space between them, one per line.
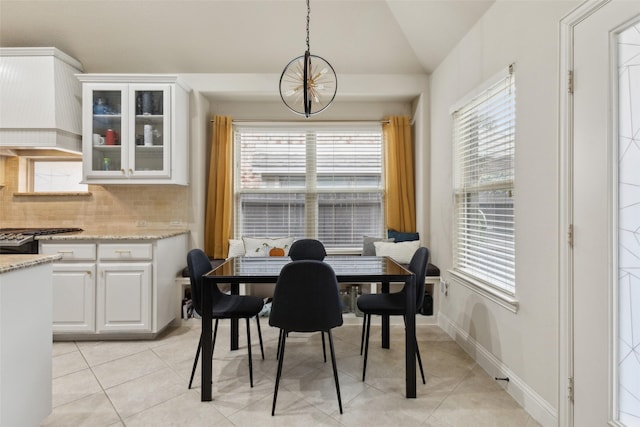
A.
pixel 117 233
pixel 17 262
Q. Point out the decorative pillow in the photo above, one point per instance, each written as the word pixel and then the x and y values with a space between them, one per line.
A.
pixel 401 252
pixel 236 248
pixel 260 246
pixel 367 244
pixel 402 237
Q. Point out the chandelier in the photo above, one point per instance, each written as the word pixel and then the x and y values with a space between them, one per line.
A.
pixel 308 83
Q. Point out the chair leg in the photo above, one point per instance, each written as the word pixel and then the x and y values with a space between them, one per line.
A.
pixel 366 345
pixel 215 334
pixel 324 349
pixel 364 325
pixel 417 353
pixel 195 362
pixel 281 345
pixel 260 336
pixel 335 369
pixel 420 362
pixel 249 352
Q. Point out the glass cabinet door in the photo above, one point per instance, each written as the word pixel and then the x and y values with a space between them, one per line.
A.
pixel 149 151
pixel 108 128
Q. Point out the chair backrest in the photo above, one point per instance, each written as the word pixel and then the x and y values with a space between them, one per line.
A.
pixel 306 298
pixel 199 264
pixel 307 249
pixel 418 266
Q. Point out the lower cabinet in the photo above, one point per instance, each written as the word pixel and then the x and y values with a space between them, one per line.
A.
pixel 114 287
pixel 124 297
pixel 74 297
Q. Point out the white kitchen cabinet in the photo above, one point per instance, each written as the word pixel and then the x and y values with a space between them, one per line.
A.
pixel 124 287
pixel 73 286
pixel 124 297
pixel 114 287
pixel 134 129
pixel 73 297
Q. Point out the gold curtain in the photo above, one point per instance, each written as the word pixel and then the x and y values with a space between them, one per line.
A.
pixel 399 175
pixel 219 208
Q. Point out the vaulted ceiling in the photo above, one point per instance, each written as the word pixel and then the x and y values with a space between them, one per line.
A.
pixel 242 36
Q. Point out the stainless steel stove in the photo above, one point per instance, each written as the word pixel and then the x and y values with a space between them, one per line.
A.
pixel 23 240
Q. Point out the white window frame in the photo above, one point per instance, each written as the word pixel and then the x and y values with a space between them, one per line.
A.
pixel 59 186
pixel 498 285
pixel 312 191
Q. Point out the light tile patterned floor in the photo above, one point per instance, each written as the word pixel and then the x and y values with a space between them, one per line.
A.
pixel 144 383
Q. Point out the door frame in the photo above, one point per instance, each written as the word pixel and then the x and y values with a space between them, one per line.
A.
pixel 565 241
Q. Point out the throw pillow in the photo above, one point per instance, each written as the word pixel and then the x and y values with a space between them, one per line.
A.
pixel 236 248
pixel 260 246
pixel 367 244
pixel 401 252
pixel 402 237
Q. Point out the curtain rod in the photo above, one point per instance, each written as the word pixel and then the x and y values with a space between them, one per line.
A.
pixel 305 121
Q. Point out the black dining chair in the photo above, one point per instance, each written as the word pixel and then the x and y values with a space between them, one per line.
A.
pixel 307 249
pixel 306 299
pixel 394 304
pixel 224 306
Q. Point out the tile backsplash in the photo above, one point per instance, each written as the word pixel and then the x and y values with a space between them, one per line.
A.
pixel 126 205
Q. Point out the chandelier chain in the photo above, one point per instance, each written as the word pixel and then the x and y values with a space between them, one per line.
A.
pixel 308 13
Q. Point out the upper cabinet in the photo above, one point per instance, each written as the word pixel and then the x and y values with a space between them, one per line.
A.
pixel 134 129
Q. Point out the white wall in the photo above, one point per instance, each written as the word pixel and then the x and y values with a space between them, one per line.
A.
pixel 523 345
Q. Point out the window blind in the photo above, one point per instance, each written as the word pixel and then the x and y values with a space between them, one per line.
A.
pixel 484 141
pixel 317 181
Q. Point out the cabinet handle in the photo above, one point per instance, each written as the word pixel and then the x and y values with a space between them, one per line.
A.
pixel 130 171
pixel 89 274
pixel 122 251
pixel 65 252
pixel 123 172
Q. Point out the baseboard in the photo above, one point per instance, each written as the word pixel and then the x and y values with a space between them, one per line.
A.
pixel 543 412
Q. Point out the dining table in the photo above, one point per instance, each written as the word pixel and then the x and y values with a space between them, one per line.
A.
pixel 348 268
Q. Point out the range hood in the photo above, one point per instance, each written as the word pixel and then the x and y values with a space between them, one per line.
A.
pixel 41 102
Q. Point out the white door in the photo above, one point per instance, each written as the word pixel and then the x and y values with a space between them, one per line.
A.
pixel 594 185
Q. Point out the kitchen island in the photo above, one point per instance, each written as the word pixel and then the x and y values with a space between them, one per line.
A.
pixel 115 283
pixel 25 338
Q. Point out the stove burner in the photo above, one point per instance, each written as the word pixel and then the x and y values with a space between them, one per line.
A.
pixel 22 240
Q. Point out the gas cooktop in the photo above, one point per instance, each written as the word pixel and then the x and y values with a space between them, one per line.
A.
pixel 20 236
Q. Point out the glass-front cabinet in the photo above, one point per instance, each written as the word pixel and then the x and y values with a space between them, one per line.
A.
pixel 134 130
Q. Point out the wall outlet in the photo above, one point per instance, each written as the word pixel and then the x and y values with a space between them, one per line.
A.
pixel 444 287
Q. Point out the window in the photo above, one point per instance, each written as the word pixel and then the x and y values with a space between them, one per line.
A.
pixel 317 181
pixel 484 143
pixel 57 176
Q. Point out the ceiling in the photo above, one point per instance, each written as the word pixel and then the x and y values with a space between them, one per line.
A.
pixel 242 36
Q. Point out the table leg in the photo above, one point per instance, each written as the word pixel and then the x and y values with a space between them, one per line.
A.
pixel 206 375
pixel 385 320
pixel 235 290
pixel 410 338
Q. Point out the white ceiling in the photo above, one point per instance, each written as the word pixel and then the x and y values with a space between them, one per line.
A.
pixel 242 36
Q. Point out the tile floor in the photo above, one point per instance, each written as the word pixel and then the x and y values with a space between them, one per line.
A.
pixel 144 383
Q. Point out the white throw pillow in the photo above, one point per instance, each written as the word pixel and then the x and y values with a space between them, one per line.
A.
pixel 236 248
pixel 401 252
pixel 260 246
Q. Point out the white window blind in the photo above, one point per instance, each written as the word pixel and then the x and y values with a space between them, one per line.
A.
pixel 318 181
pixel 484 141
